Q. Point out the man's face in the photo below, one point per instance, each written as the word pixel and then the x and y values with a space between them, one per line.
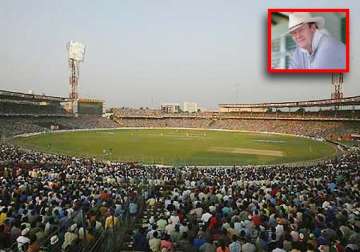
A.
pixel 303 35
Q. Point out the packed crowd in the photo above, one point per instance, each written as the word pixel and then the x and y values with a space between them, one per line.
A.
pixel 11 106
pixel 64 203
pixel 57 203
pixel 135 112
pixel 323 129
pixel 284 113
pixel 10 126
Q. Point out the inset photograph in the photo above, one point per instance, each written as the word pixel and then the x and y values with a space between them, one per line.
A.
pixel 308 40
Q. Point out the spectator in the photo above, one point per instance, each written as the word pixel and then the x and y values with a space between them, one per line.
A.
pixel 222 247
pixel 154 243
pixel 235 246
pixel 23 241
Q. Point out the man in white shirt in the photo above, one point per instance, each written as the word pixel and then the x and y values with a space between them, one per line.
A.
pixel 206 217
pixel 316 49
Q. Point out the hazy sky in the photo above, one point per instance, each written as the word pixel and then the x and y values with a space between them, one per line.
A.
pixel 145 52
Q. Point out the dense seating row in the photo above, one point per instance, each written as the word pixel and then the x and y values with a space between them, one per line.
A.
pixel 59 202
pixel 28 107
pixel 62 203
pixel 55 203
pixel 325 129
pixel 10 126
pixel 275 113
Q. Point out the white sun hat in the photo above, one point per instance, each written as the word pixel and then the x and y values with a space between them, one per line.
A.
pixel 297 19
pixel 54 239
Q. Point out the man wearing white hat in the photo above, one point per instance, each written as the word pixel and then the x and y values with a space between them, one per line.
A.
pixel 23 240
pixel 315 48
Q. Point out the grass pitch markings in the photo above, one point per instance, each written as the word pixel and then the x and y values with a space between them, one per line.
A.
pixel 269 141
pixel 248 151
pixel 179 147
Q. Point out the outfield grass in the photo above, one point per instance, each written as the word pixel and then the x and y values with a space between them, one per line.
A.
pixel 181 146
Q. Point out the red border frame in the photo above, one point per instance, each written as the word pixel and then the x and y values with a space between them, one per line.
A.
pixel 347 42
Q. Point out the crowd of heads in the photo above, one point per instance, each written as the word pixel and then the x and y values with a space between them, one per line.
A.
pixel 270 113
pixel 273 208
pixel 58 202
pixel 64 203
pixel 10 126
pixel 322 129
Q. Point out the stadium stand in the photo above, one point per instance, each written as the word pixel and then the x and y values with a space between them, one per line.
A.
pixel 329 118
pixel 28 113
pixel 62 203
pixel 10 126
pixel 15 103
pixel 318 128
pixel 59 203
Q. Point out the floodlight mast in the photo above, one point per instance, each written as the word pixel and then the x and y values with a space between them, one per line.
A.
pixel 76 53
pixel 74 79
pixel 337 80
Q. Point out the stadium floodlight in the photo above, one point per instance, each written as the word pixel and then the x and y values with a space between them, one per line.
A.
pixel 76 51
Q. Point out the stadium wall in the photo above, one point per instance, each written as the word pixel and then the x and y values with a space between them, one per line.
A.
pixel 326 129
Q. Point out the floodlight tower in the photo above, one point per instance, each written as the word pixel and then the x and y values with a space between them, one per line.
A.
pixel 337 80
pixel 76 53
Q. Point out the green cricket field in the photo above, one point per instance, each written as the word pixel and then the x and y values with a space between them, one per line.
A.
pixel 181 146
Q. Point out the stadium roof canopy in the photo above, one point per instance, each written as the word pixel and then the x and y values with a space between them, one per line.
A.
pixel 24 96
pixel 354 100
